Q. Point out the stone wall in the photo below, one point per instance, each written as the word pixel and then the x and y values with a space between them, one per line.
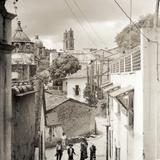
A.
pixel 23 127
pixel 76 118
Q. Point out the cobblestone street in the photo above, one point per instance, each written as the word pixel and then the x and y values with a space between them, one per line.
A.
pixel 99 141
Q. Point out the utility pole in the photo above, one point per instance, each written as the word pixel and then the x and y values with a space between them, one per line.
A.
pixel 107 133
pixel 156 14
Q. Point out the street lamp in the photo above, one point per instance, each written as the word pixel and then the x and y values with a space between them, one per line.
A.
pixel 107 125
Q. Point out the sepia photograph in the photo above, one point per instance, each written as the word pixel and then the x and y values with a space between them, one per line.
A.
pixel 79 80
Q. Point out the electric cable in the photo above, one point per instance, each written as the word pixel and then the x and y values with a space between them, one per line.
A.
pixel 79 22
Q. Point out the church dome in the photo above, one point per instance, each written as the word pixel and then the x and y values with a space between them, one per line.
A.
pixel 19 35
pixel 38 43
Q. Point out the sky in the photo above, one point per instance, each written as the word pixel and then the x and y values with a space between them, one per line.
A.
pixel 95 22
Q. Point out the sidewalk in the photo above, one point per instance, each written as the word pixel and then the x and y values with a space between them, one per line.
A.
pixel 99 141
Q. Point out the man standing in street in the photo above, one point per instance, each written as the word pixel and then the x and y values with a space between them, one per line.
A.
pixel 70 152
pixel 59 150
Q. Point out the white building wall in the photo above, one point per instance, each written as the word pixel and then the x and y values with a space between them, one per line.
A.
pixel 151 97
pixel 71 83
pixel 130 141
pixel 64 86
pixel 144 141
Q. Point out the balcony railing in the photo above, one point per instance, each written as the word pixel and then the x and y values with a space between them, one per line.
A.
pixel 128 63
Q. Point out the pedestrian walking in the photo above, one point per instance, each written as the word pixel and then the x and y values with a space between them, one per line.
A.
pixel 71 152
pixel 93 152
pixel 59 150
pixel 83 149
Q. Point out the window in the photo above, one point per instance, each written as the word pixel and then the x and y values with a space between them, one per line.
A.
pixel 130 118
pixel 77 90
pixel 131 111
pixel 128 101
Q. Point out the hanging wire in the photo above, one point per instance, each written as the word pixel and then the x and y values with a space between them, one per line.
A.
pixel 137 27
pixel 148 39
pixel 89 24
pixel 79 22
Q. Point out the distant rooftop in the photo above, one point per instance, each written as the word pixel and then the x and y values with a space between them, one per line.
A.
pixel 19 35
pixel 52 100
pixel 79 74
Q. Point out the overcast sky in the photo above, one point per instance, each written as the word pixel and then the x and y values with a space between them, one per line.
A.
pixel 49 19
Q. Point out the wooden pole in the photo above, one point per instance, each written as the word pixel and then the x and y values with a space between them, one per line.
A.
pixel 107 128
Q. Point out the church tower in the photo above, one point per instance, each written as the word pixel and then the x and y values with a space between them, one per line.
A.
pixel 65 40
pixel 68 42
pixel 23 60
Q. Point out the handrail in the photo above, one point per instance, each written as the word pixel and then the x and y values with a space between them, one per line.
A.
pixel 127 63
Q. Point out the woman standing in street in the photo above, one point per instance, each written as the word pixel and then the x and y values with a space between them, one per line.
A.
pixel 83 149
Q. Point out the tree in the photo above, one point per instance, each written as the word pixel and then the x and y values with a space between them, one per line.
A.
pixel 62 66
pixel 129 37
pixel 89 95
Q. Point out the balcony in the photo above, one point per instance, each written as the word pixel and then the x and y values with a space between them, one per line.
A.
pixel 128 63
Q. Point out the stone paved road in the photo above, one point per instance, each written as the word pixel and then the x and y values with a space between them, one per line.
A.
pixel 99 141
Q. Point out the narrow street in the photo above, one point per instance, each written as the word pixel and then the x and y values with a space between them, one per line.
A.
pixel 99 141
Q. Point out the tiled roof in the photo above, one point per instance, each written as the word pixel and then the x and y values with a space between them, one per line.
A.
pixel 79 74
pixel 53 100
pixel 22 88
pixel 19 35
pixel 66 100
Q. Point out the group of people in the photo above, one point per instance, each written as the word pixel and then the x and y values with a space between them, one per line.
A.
pixel 60 147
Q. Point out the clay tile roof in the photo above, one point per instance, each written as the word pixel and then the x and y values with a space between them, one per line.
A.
pixel 19 35
pixel 54 100
pixel 79 74
pixel 22 88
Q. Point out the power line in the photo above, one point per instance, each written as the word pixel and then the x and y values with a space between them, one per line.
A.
pixel 86 19
pixel 148 39
pixel 79 22
pixel 138 28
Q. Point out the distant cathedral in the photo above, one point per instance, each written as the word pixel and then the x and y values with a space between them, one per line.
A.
pixel 68 42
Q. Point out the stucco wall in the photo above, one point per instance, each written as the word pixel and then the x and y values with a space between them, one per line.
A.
pixel 76 118
pixel 64 86
pixel 23 127
pixel 151 96
pixel 71 84
pixel 130 141
pixel 5 88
